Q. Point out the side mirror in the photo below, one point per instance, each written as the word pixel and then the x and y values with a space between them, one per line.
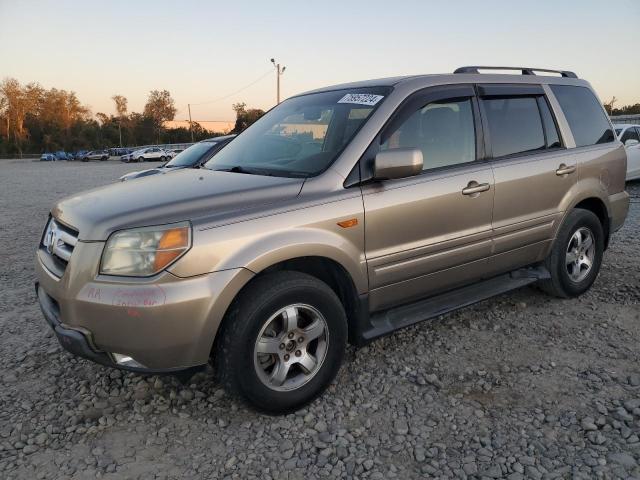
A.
pixel 631 142
pixel 397 163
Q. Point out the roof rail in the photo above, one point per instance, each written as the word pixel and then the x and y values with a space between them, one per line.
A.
pixel 525 70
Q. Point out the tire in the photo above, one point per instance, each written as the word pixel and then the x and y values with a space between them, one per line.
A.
pixel 249 375
pixel 140 159
pixel 163 159
pixel 571 278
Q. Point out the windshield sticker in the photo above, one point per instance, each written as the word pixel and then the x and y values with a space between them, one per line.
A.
pixel 361 98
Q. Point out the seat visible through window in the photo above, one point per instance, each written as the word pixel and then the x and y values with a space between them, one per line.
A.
pixel 444 132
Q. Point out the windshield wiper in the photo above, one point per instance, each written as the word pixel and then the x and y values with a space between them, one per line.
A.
pixel 248 171
pixel 262 171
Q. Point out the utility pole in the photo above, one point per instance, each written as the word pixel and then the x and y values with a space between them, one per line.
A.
pixel 190 124
pixel 279 72
pixel 610 104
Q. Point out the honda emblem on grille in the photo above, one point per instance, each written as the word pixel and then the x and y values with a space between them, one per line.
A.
pixel 52 237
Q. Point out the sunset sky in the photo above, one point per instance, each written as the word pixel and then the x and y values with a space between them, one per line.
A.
pixel 202 51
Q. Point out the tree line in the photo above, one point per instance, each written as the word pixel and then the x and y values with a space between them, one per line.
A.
pixel 34 120
pixel 626 110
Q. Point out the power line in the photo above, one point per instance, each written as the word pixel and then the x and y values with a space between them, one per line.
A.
pixel 268 72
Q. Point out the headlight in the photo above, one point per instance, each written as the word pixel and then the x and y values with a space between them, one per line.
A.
pixel 141 252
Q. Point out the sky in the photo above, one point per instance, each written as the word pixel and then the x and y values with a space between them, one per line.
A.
pixel 205 53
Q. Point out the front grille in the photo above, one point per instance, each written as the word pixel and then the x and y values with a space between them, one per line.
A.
pixel 58 242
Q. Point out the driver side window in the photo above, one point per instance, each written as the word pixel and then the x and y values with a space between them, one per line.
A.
pixel 443 130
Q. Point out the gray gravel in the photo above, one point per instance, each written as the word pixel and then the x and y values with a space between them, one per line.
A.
pixel 520 386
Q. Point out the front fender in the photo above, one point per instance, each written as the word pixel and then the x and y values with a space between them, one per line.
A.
pixel 308 243
pixel 258 243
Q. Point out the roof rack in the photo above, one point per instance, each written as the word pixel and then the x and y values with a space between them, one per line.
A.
pixel 524 70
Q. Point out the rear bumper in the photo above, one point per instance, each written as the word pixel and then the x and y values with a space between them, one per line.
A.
pixel 618 209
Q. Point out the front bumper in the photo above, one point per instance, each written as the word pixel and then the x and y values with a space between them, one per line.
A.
pixel 75 341
pixel 155 325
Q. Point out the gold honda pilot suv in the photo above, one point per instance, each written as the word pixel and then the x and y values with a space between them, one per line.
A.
pixel 341 215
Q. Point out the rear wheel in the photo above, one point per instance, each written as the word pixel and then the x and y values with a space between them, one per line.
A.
pixel 140 159
pixel 282 342
pixel 576 255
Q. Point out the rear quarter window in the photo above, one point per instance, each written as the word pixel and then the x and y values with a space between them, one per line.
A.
pixel 585 115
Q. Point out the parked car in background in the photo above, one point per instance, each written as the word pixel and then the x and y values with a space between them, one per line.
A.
pixel 629 135
pixel 47 157
pixel 62 155
pixel 95 155
pixel 79 154
pixel 127 157
pixel 193 157
pixel 119 151
pixel 151 153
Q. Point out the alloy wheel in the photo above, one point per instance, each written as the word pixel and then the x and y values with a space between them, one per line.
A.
pixel 580 254
pixel 291 347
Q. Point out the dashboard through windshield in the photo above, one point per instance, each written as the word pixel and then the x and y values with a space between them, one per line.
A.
pixel 302 136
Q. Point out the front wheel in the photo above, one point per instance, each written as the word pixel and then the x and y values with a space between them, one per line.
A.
pixel 576 255
pixel 282 342
pixel 140 159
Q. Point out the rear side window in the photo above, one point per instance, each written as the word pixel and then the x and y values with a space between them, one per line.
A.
pixel 550 128
pixel 585 115
pixel 515 125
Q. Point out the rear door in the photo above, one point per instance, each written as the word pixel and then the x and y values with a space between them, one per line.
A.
pixel 430 232
pixel 533 172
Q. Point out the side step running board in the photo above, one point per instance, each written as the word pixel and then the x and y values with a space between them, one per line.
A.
pixel 387 321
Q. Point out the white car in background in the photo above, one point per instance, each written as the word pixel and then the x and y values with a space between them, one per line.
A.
pixel 151 153
pixel 629 135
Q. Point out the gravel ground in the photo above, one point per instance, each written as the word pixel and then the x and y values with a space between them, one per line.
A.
pixel 520 386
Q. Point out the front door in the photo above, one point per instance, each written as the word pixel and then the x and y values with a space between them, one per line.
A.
pixel 430 232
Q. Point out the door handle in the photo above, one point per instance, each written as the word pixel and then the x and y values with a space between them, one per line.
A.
pixel 564 170
pixel 475 187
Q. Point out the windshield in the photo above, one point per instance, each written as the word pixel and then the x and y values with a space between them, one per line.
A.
pixel 302 136
pixel 192 155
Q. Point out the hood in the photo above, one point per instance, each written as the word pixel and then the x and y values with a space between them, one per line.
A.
pixel 143 173
pixel 185 195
